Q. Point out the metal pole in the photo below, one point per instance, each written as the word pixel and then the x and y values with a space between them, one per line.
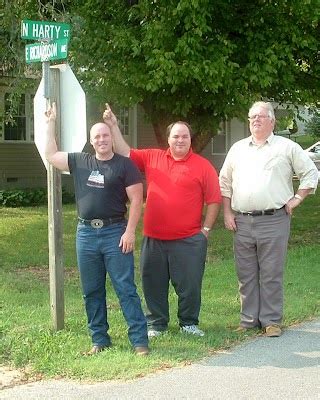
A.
pixel 46 79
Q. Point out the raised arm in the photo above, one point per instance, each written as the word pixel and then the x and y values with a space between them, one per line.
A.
pixel 120 145
pixel 59 159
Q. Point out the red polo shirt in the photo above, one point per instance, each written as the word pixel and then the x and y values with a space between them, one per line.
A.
pixel 176 192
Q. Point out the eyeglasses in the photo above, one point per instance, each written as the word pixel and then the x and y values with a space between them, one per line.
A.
pixel 257 116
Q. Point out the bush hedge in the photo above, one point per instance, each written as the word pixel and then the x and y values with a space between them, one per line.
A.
pixel 30 197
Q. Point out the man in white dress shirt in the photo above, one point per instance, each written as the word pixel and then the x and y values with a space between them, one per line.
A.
pixel 258 201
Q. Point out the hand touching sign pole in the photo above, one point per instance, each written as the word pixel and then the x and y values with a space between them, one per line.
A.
pixel 71 136
pixel 58 85
pixel 52 39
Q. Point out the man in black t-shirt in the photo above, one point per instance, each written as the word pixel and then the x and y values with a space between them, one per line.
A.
pixel 105 239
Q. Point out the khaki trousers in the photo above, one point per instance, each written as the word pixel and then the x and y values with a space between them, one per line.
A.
pixel 260 246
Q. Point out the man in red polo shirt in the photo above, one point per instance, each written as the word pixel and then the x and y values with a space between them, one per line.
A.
pixel 174 248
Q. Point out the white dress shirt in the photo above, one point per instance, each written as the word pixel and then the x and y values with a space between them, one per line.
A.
pixel 259 177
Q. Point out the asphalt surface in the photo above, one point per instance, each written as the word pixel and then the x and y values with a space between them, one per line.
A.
pixel 261 368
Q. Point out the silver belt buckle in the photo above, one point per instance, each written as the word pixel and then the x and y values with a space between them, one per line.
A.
pixel 96 223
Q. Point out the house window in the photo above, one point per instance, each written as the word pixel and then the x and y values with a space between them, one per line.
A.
pixel 122 114
pixel 19 127
pixel 219 141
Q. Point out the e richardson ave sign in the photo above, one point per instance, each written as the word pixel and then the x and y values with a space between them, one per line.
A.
pixel 44 30
pixel 56 50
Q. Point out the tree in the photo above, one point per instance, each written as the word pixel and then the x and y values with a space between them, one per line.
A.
pixel 199 60
pixel 313 126
pixel 12 12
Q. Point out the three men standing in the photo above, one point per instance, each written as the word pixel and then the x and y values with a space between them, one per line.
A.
pixel 258 200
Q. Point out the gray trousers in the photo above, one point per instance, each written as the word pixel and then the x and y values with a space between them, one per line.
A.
pixel 260 246
pixel 180 261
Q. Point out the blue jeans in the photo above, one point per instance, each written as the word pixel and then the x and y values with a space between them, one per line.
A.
pixel 98 253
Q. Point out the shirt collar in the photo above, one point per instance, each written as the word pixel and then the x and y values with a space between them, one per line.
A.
pixel 269 139
pixel 188 155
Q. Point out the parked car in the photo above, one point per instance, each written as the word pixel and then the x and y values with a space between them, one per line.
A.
pixel 314 153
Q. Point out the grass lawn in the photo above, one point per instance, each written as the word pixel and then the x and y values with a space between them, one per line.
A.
pixel 28 341
pixel 305 141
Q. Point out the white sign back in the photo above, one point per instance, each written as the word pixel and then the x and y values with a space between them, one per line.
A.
pixel 72 114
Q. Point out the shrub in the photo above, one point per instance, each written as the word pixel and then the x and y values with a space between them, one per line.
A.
pixel 67 197
pixel 29 197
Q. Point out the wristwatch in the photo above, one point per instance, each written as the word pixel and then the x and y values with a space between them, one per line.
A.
pixel 297 196
pixel 205 228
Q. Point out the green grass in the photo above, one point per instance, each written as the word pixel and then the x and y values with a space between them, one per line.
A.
pixel 28 341
pixel 305 141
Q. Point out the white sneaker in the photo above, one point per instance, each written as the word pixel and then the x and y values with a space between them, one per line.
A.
pixel 192 330
pixel 153 333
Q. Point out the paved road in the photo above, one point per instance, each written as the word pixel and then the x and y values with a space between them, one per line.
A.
pixel 260 369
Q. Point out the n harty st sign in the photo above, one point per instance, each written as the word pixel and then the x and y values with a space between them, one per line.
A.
pixel 44 30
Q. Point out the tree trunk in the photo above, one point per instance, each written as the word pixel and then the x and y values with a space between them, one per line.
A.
pixel 159 123
pixel 160 128
pixel 200 139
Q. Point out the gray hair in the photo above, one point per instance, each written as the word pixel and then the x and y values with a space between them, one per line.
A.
pixel 266 105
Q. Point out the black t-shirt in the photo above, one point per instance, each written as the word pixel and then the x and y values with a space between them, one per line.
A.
pixel 100 186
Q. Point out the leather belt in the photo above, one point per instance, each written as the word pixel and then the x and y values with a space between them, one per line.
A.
pixel 256 213
pixel 99 223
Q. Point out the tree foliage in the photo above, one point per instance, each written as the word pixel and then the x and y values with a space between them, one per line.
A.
pixel 199 60
pixel 12 48
pixel 313 126
pixel 12 12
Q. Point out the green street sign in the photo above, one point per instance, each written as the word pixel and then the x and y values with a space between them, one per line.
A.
pixel 44 30
pixel 46 51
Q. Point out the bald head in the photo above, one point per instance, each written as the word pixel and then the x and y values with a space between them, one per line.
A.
pixel 99 127
pixel 101 140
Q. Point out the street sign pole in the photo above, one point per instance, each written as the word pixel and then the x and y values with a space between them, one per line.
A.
pixel 58 85
pixel 55 227
pixel 55 230
pixel 52 44
pixel 46 79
